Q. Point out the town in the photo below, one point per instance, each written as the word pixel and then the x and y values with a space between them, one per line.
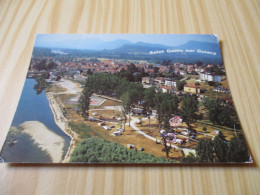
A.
pixel 100 105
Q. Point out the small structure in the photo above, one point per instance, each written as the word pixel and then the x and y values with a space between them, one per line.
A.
pixel 216 132
pixel 138 122
pixel 170 137
pixel 106 127
pixel 175 121
pixel 119 132
pixel 138 111
pixel 101 124
pixel 94 113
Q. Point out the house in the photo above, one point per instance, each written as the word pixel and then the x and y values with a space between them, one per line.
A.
pixel 159 80
pixel 206 76
pixel 183 72
pixel 192 88
pixel 145 80
pixel 221 89
pixel 170 83
pixel 167 89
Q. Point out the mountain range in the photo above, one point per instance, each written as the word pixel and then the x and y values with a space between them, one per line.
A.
pixel 141 51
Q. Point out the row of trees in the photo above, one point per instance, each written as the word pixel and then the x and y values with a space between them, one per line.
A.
pixel 219 150
pixel 97 150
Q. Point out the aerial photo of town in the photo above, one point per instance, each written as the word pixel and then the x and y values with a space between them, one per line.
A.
pixel 126 98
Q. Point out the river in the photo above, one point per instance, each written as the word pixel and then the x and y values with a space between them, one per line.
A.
pixel 32 107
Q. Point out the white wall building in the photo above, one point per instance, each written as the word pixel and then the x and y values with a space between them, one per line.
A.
pixel 170 83
pixel 210 77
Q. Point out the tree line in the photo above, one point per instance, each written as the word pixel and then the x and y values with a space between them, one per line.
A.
pixel 220 150
pixel 96 150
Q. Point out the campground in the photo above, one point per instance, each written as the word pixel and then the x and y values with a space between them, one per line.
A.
pixel 107 111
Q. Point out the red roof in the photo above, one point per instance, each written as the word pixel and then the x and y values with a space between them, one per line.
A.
pixel 168 88
pixel 192 86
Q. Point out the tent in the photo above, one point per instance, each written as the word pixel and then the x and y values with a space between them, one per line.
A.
pixel 175 121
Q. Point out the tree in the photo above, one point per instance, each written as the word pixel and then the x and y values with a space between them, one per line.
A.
pixel 237 151
pixel 205 150
pixel 41 65
pixel 156 70
pixel 191 158
pixel 51 65
pixel 189 108
pixel 204 129
pixel 221 147
pixel 89 72
pixel 167 147
pixel 194 72
pixel 169 106
pixel 149 95
pixel 180 85
pixel 84 102
pixel 220 112
pixel 126 106
pixel 131 68
pixel 157 101
pixel 41 83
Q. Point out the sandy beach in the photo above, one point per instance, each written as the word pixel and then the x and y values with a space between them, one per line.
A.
pixel 62 122
pixel 47 140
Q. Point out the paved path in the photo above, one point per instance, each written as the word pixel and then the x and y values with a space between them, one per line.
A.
pixel 185 150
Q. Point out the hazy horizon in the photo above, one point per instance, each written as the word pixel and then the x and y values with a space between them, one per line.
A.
pixel 110 41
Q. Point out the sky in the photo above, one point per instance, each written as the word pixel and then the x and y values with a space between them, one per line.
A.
pixel 96 41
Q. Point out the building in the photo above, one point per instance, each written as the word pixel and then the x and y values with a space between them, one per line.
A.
pixel 210 77
pixel 192 88
pixel 170 83
pixel 159 80
pixel 167 89
pixel 183 72
pixel 146 80
pixel 221 89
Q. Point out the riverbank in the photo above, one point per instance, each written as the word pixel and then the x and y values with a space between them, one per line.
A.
pixel 62 122
pixel 45 139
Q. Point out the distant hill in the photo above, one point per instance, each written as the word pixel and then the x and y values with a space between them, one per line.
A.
pixel 141 51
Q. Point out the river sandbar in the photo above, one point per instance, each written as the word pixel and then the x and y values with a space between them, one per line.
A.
pixel 45 138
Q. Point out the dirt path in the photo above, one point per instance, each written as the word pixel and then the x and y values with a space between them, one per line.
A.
pixel 62 122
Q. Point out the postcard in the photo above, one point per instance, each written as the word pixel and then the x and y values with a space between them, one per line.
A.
pixel 127 99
